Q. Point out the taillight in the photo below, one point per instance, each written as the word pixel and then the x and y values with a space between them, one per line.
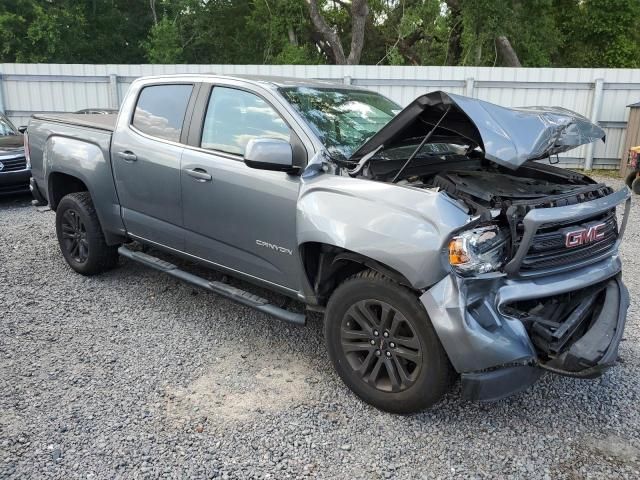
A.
pixel 27 155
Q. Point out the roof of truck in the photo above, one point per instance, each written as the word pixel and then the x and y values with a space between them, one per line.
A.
pixel 262 79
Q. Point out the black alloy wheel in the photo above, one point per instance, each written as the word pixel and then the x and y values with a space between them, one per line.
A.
pixel 381 346
pixel 80 236
pixel 74 236
pixel 382 343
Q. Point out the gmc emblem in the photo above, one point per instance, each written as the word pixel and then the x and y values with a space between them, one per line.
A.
pixel 584 235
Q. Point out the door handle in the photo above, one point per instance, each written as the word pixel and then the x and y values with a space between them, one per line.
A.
pixel 199 174
pixel 128 156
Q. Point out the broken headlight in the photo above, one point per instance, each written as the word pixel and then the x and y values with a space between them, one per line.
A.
pixel 478 250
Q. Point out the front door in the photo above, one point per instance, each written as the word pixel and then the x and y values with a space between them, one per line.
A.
pixel 235 216
pixel 146 165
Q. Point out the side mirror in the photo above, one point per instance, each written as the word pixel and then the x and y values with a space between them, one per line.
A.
pixel 269 154
pixel 22 129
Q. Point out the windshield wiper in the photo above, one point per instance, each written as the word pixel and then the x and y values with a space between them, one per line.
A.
pixel 424 140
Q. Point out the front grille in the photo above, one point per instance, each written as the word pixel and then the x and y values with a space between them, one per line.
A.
pixel 548 250
pixel 13 164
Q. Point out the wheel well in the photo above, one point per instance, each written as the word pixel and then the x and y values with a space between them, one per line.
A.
pixel 327 266
pixel 61 184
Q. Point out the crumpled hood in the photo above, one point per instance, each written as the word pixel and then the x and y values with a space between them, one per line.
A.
pixel 508 136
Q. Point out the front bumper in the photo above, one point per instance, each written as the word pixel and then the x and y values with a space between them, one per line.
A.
pixel 494 352
pixel 14 182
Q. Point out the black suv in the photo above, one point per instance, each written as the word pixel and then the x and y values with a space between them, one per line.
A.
pixel 15 172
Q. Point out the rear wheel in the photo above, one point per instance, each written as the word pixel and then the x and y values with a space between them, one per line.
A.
pixel 80 236
pixel 383 346
pixel 635 186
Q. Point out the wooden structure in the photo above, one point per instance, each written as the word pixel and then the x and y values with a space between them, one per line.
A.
pixel 632 138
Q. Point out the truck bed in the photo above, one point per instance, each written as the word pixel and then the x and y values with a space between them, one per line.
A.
pixel 100 121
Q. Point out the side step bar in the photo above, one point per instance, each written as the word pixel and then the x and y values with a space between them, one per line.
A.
pixel 228 291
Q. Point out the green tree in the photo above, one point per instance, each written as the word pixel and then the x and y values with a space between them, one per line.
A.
pixel 164 44
pixel 599 33
pixel 66 31
pixel 531 33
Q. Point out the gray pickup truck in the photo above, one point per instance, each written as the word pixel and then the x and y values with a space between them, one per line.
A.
pixel 431 238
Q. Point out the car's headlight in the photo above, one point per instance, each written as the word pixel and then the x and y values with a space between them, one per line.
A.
pixel 478 250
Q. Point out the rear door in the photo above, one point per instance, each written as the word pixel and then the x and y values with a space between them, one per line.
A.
pixel 235 216
pixel 146 163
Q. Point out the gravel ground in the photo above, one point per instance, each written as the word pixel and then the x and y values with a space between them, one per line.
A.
pixel 133 374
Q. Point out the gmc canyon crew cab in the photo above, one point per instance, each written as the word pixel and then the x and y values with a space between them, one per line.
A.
pixel 430 237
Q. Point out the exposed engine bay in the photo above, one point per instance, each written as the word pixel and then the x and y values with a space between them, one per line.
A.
pixel 500 198
pixel 484 186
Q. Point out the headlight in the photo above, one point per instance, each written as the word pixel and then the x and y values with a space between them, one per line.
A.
pixel 478 250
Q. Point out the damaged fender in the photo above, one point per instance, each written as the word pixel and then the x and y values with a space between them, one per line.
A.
pixel 402 228
pixel 472 332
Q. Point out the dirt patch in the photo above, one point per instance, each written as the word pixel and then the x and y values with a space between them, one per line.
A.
pixel 614 452
pixel 613 448
pixel 237 390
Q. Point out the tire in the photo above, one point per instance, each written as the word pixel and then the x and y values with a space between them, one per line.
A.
pixel 80 236
pixel 412 350
pixel 630 178
pixel 635 186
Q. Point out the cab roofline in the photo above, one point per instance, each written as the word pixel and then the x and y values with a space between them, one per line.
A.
pixel 269 80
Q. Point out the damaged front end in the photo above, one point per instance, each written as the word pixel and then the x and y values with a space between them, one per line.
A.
pixel 535 275
pixel 557 304
pixel 576 333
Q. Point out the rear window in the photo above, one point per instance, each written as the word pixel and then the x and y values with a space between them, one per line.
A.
pixel 160 110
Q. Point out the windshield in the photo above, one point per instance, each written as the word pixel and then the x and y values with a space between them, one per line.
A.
pixel 6 127
pixel 343 119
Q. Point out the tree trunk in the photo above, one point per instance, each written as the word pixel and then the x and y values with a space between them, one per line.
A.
pixel 454 47
pixel 507 52
pixel 152 4
pixel 327 34
pixel 359 13
pixel 292 37
pixel 478 51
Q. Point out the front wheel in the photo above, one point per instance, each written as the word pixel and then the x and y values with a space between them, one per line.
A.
pixel 80 235
pixel 383 346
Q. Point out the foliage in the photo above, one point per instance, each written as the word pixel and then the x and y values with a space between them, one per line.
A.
pixel 603 33
pixel 574 33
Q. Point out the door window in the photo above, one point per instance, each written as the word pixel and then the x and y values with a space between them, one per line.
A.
pixel 234 117
pixel 160 110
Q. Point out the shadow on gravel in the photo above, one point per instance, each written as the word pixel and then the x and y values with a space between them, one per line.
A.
pixel 15 201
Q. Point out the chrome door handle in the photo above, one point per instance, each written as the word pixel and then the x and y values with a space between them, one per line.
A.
pixel 128 156
pixel 199 174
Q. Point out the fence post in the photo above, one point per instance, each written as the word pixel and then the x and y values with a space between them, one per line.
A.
pixel 468 87
pixel 347 80
pixel 114 100
pixel 596 107
pixel 2 105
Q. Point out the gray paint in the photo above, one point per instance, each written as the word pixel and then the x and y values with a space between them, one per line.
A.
pixel 269 153
pixel 267 216
pixel 474 342
pixel 82 153
pixel 467 313
pixel 404 228
pixel 507 136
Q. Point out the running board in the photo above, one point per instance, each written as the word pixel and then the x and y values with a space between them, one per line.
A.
pixel 236 294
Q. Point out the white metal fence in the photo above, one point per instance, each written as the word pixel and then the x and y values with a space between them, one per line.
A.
pixel 599 94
